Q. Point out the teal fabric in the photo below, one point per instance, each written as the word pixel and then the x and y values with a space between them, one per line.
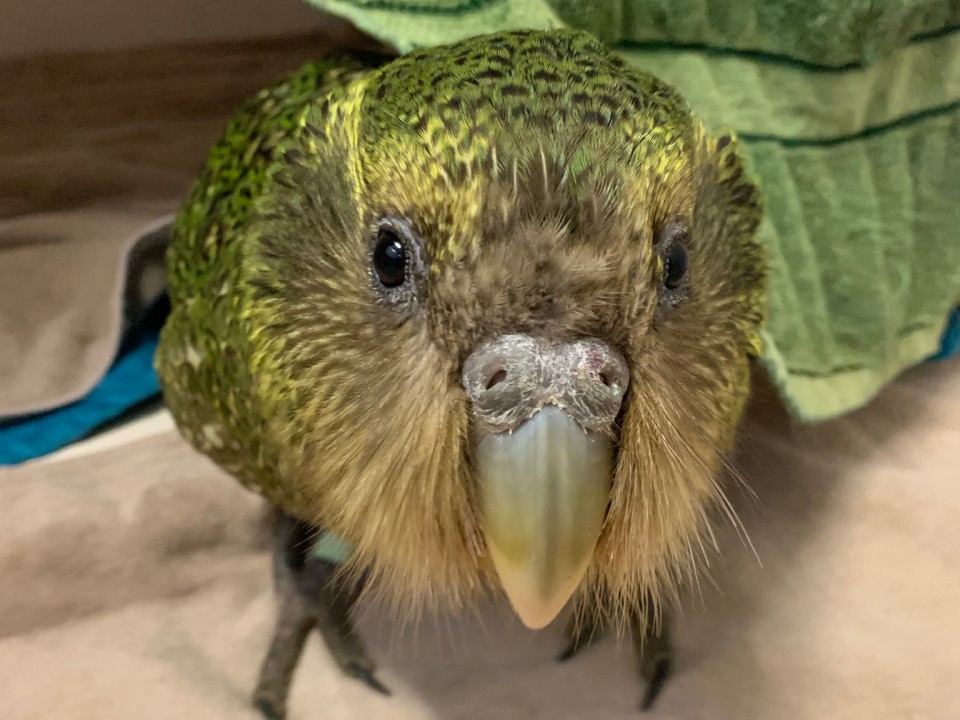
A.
pixel 332 548
pixel 130 381
pixel 950 347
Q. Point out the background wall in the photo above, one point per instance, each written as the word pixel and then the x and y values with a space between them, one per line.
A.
pixel 30 26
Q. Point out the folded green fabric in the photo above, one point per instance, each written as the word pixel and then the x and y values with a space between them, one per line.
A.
pixel 849 112
pixel 822 32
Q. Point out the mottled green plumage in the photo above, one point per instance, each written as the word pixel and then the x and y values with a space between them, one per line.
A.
pixel 539 169
pixel 201 357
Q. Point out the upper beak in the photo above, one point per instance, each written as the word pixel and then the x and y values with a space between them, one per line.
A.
pixel 544 493
pixel 543 413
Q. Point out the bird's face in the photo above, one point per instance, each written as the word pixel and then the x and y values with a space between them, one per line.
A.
pixel 517 370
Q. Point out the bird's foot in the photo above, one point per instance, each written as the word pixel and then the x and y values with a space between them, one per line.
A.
pixel 655 669
pixel 310 597
pixel 654 656
pixel 652 647
pixel 347 649
pixel 294 623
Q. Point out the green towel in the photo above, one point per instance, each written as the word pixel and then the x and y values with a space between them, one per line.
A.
pixel 850 115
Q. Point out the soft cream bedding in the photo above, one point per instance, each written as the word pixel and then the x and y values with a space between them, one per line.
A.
pixel 135 584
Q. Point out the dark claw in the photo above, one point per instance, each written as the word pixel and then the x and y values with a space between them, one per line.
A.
pixel 573 648
pixel 366 676
pixel 269 710
pixel 657 680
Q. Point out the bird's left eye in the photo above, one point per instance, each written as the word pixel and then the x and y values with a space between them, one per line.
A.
pixel 390 258
pixel 672 245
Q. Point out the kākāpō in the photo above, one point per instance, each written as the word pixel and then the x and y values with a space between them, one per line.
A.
pixel 486 313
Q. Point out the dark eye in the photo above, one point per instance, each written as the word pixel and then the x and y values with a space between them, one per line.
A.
pixel 390 258
pixel 676 263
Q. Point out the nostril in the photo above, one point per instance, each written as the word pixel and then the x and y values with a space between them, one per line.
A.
pixel 498 377
pixel 612 376
pixel 503 377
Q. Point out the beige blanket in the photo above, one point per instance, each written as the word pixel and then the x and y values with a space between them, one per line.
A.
pixel 135 584
pixel 95 150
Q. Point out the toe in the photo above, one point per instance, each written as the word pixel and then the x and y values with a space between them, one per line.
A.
pixel 269 709
pixel 656 677
pixel 364 673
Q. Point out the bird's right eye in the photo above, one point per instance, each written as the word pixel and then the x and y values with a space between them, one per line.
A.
pixel 390 258
pixel 676 265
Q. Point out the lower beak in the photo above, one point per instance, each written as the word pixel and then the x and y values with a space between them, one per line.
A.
pixel 544 489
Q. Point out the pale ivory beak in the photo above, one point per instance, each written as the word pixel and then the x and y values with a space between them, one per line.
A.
pixel 544 491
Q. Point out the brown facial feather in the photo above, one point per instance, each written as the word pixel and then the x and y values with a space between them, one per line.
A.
pixel 362 402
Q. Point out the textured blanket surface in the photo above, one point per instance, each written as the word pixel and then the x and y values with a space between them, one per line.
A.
pixel 68 282
pixel 136 585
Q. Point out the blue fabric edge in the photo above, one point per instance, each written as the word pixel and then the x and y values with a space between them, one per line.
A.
pixel 130 381
pixel 950 345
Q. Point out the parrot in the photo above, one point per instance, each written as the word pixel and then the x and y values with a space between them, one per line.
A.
pixel 484 314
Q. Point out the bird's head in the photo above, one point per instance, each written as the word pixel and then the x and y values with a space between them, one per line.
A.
pixel 504 295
